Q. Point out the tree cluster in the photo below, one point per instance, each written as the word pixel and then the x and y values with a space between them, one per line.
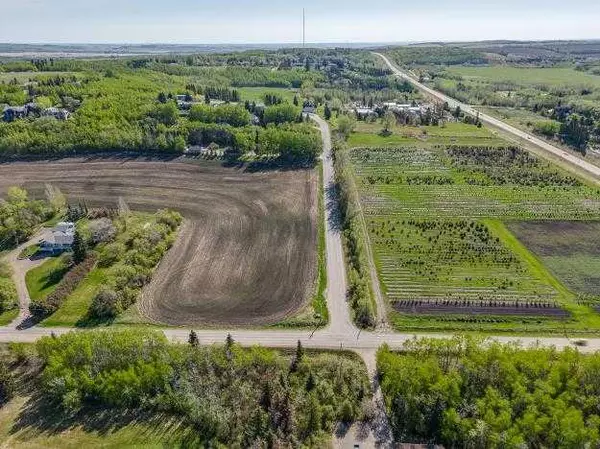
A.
pixel 130 261
pixel 459 393
pixel 20 216
pixel 227 396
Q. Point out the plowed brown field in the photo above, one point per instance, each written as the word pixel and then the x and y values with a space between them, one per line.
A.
pixel 246 254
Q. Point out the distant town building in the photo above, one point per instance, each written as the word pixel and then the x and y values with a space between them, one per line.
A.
pixel 12 113
pixel 363 113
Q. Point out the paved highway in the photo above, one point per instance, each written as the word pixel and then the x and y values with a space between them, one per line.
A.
pixel 588 168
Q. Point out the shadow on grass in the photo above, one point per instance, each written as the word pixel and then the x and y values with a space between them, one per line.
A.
pixel 54 277
pixel 91 156
pixel 42 416
pixel 89 321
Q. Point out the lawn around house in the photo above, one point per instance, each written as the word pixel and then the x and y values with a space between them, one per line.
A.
pixel 74 311
pixel 43 280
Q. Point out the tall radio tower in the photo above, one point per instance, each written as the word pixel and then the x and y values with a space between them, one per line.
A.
pixel 303 28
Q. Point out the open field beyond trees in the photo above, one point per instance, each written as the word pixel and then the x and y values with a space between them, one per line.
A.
pixel 246 253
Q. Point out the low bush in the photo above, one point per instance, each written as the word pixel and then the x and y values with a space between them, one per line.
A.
pixel 7 384
pixel 8 295
pixel 354 239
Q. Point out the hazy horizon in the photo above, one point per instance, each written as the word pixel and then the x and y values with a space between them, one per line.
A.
pixel 233 22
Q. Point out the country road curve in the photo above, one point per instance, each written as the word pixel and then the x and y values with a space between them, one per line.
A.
pixel 591 170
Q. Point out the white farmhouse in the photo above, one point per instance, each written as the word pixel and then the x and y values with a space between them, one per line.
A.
pixel 61 238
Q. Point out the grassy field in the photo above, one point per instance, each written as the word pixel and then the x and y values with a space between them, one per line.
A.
pixel 257 94
pixel 8 316
pixel 528 75
pixel 73 312
pixel 27 424
pixel 368 135
pixel 22 77
pixel 42 280
pixel 445 259
pixel 29 251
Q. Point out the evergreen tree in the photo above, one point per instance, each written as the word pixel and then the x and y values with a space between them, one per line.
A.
pixel 327 112
pixel 80 248
pixel 298 357
pixel 299 352
pixel 193 339
pixel 311 382
pixel 228 346
pixel 295 100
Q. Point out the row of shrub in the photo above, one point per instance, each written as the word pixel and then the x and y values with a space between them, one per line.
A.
pixel 354 240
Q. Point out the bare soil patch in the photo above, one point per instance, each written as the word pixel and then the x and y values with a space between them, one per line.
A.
pixel 246 254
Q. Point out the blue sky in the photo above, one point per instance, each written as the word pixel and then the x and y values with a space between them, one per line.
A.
pixel 260 21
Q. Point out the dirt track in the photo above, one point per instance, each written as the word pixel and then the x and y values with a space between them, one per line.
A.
pixel 246 253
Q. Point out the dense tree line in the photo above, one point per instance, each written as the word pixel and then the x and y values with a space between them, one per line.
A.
pixel 20 216
pixel 461 394
pixel 234 115
pixel 436 55
pixel 227 396
pixel 354 239
pixel 131 110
